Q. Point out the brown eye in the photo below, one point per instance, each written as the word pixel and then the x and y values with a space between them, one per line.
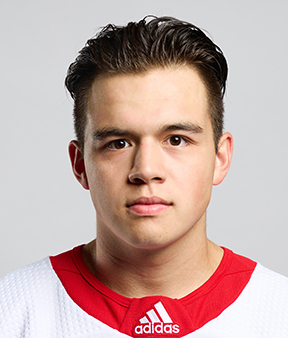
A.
pixel 118 144
pixel 175 140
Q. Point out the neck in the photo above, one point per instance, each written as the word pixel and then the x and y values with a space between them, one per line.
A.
pixel 167 271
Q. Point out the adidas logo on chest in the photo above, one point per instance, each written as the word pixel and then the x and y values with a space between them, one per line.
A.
pixel 156 321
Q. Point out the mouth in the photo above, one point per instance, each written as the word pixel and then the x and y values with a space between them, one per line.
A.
pixel 148 206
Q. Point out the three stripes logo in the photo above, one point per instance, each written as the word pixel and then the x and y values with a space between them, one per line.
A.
pixel 157 320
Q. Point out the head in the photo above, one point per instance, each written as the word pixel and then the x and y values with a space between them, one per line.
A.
pixel 139 47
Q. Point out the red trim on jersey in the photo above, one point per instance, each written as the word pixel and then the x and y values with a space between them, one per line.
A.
pixel 122 313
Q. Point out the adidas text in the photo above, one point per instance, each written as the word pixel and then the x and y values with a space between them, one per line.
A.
pixel 157 328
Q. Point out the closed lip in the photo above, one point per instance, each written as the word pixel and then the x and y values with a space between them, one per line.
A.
pixel 148 201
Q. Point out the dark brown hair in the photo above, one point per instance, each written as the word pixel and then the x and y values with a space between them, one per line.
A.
pixel 140 46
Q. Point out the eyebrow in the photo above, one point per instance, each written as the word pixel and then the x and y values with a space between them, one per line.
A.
pixel 187 126
pixel 111 131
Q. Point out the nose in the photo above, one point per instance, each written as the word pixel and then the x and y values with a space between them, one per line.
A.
pixel 148 164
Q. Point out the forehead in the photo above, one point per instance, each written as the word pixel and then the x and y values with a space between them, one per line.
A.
pixel 149 97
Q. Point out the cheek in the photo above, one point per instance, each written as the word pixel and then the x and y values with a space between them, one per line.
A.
pixel 194 178
pixel 105 181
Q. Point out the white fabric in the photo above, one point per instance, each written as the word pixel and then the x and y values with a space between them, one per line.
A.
pixel 34 304
pixel 260 311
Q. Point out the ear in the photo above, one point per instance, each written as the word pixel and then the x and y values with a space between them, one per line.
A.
pixel 223 158
pixel 78 165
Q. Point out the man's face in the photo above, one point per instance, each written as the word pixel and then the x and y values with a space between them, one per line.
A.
pixel 149 156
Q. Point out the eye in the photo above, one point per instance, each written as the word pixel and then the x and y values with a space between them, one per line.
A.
pixel 176 140
pixel 118 144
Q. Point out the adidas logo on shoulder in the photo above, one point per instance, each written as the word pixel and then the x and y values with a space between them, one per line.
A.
pixel 157 320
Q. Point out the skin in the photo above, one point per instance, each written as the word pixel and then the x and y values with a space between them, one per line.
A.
pixel 149 162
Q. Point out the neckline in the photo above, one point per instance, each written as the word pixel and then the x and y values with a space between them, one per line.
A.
pixel 205 288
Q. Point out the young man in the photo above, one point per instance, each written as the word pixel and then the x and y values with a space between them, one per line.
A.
pixel 148 118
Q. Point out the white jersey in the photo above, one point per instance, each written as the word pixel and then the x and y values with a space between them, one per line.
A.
pixel 59 297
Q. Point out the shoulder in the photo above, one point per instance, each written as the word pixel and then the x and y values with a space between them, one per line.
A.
pixel 34 303
pixel 267 274
pixel 27 276
pixel 26 280
pixel 26 283
pixel 22 292
pixel 263 304
pixel 261 279
pixel 261 309
pixel 270 285
pixel 265 296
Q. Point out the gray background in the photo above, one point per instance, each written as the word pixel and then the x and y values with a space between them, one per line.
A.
pixel 44 211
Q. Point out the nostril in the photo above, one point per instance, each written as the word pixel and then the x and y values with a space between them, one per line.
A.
pixel 138 180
